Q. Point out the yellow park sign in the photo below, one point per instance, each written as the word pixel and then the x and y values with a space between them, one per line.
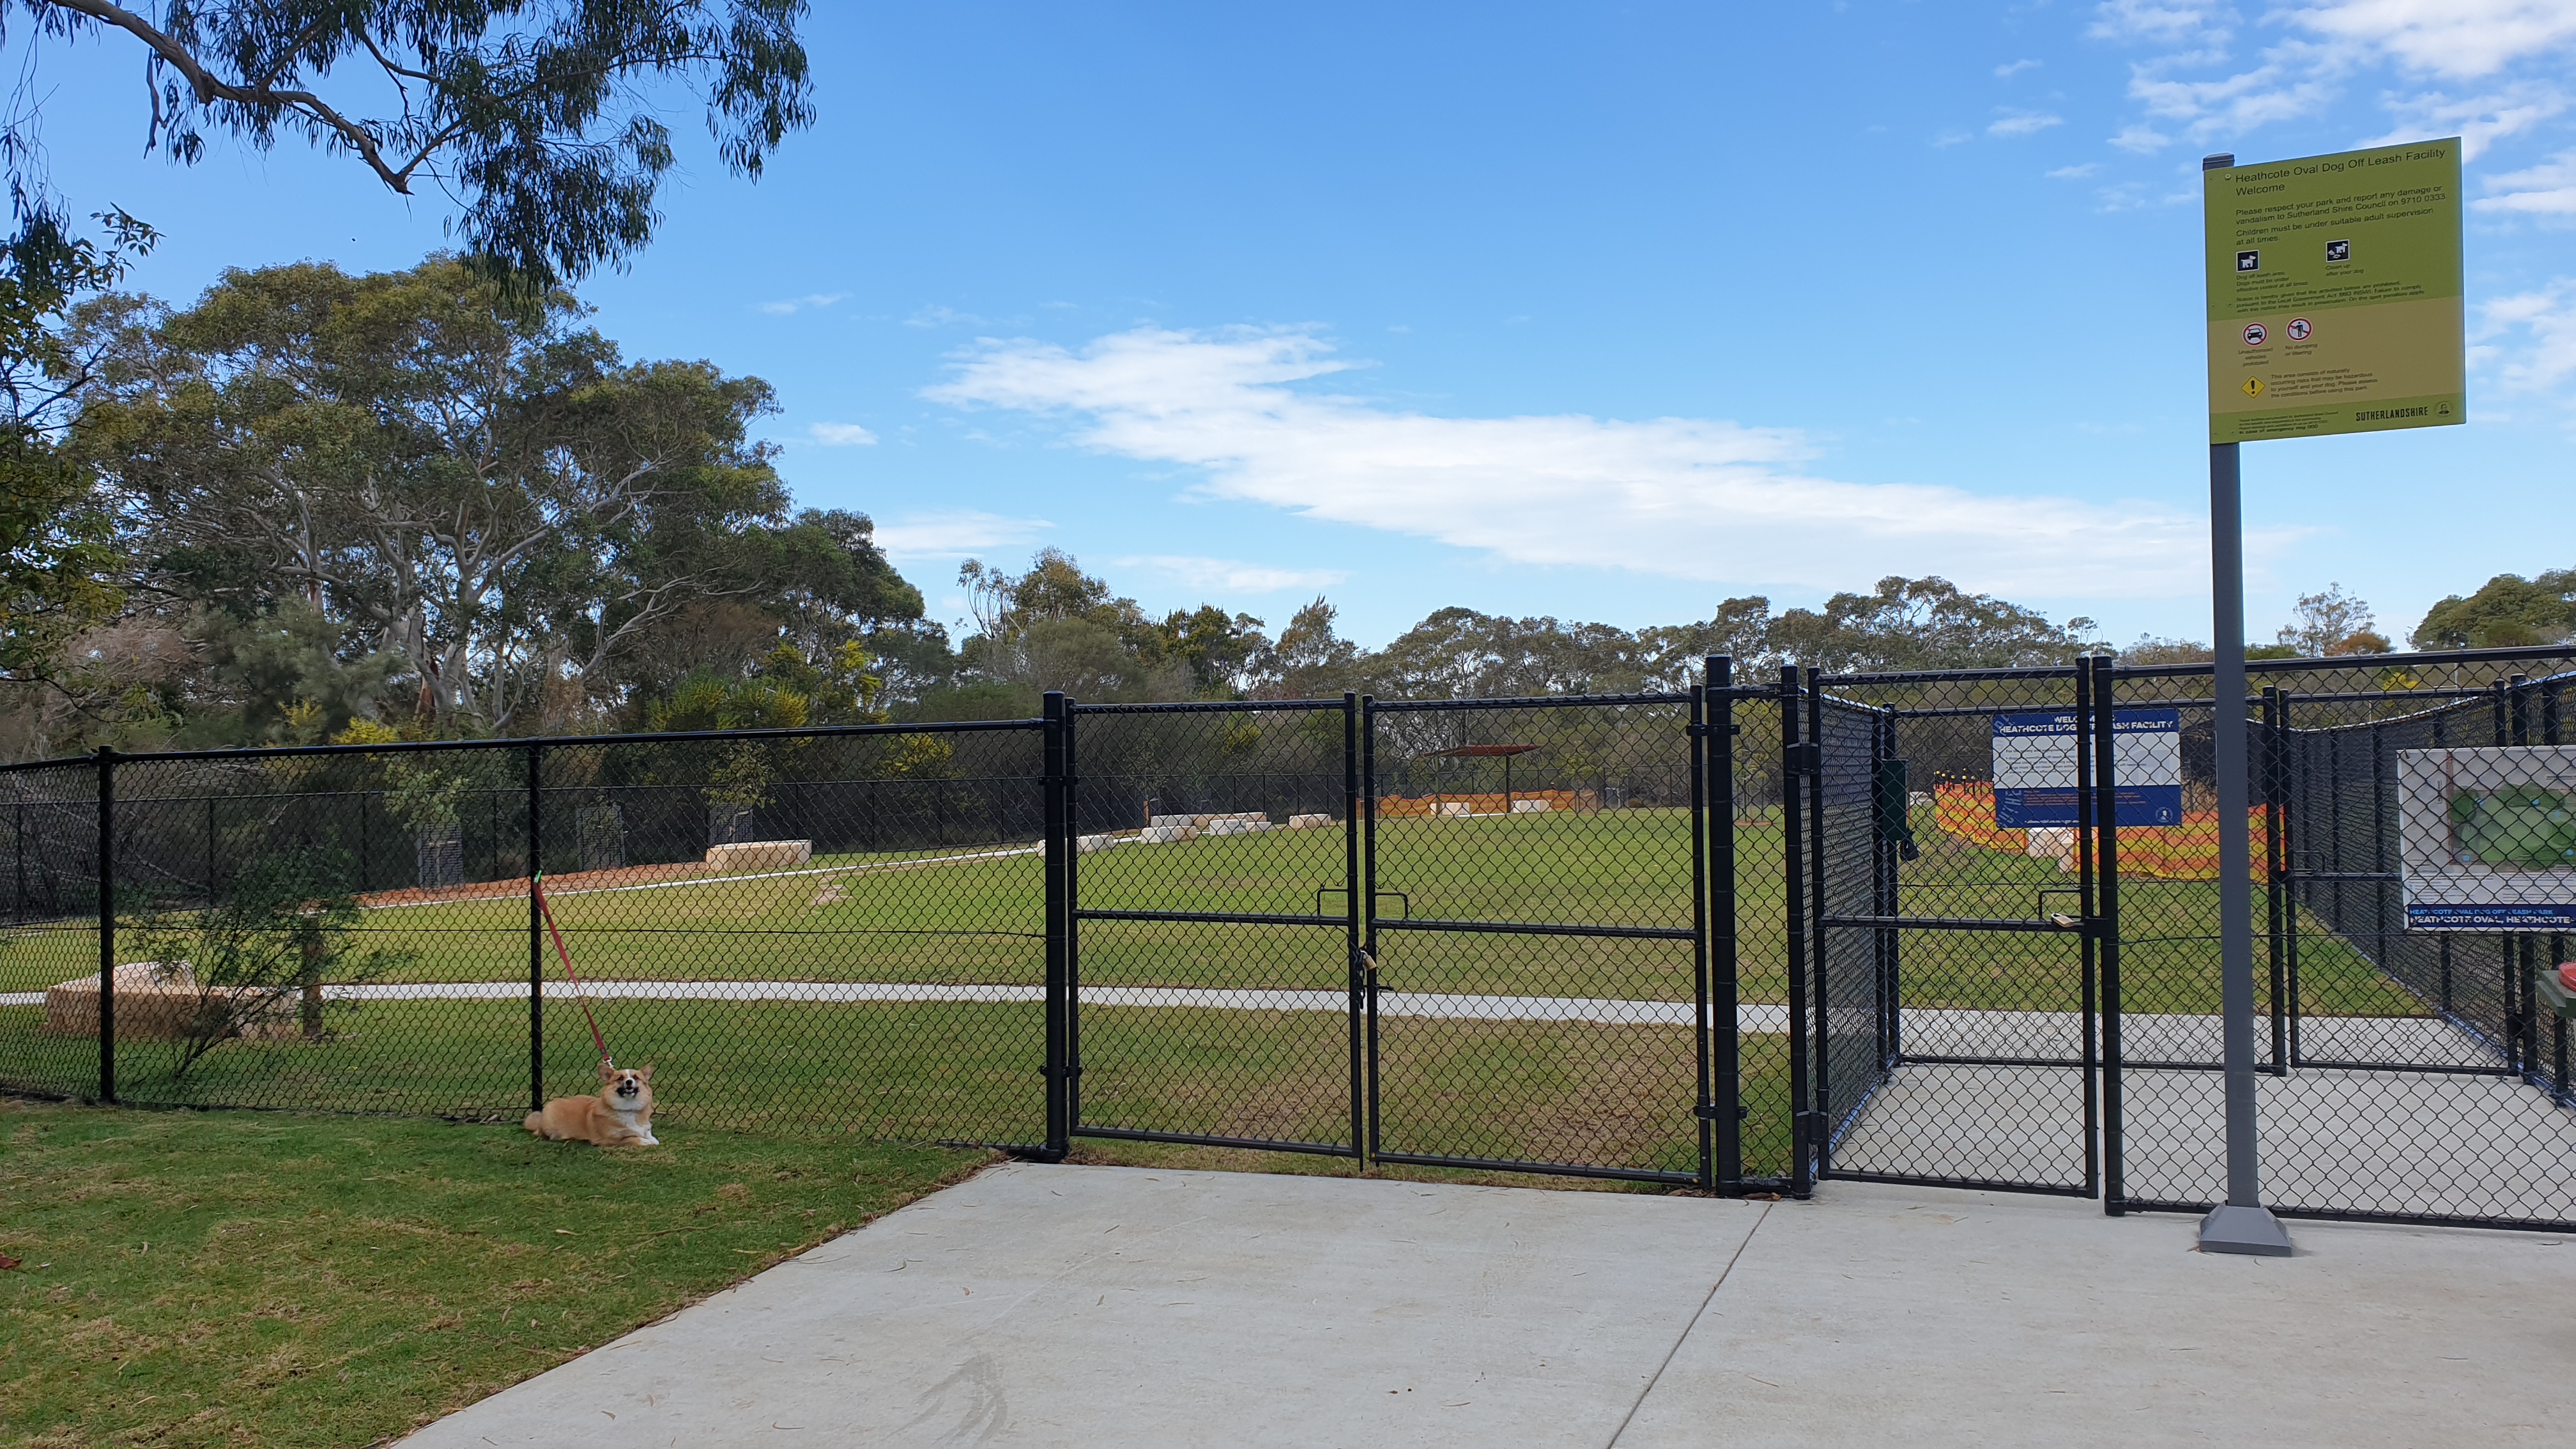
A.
pixel 2334 294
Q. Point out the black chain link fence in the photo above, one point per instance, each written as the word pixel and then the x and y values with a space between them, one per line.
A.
pixel 1954 928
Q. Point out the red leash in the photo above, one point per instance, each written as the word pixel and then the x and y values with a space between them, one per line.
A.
pixel 565 956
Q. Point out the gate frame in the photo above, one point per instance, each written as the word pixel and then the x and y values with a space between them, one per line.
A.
pixel 2095 921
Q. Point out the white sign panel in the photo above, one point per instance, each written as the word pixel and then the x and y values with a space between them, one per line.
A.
pixel 2487 837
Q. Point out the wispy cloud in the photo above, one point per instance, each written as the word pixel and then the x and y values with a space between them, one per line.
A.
pixel 2010 69
pixel 2160 20
pixel 2463 39
pixel 2023 123
pixel 2141 139
pixel 2073 173
pixel 955 534
pixel 1952 138
pixel 1684 497
pixel 814 301
pixel 2479 121
pixel 936 315
pixel 840 435
pixel 2202 86
pixel 1233 575
pixel 2527 342
pixel 2548 189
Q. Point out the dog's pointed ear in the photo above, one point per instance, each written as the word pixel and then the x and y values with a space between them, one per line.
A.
pixel 607 1070
pixel 646 1074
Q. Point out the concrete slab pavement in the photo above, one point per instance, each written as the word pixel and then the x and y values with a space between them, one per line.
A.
pixel 1097 1305
pixel 1902 1315
pixel 1090 1305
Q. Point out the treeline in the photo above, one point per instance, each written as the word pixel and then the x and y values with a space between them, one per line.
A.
pixel 314 506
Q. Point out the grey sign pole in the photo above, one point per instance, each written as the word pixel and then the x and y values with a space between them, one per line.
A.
pixel 2242 1224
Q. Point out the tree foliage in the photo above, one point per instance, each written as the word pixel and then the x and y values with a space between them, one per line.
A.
pixel 493 505
pixel 2507 611
pixel 537 118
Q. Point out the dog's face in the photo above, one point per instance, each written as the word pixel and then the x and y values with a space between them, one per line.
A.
pixel 626 1088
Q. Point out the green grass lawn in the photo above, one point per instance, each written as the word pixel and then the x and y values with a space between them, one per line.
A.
pixel 239 1278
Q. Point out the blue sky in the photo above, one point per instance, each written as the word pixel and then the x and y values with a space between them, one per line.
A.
pixel 1600 312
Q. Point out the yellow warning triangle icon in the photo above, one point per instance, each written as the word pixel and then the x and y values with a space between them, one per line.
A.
pixel 2253 387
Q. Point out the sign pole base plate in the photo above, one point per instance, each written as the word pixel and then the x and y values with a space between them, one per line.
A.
pixel 2249 1230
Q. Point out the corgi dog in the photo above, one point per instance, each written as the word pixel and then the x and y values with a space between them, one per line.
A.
pixel 620 1116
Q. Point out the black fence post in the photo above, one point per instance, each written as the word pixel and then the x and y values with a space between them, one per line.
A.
pixel 2106 948
pixel 536 935
pixel 1793 774
pixel 2092 769
pixel 1700 729
pixel 106 924
pixel 1820 1123
pixel 1072 1063
pixel 1726 1101
pixel 1353 807
pixel 1366 982
pixel 1059 920
pixel 2275 799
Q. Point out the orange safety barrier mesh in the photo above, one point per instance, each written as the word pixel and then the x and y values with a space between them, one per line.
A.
pixel 1400 807
pixel 2189 851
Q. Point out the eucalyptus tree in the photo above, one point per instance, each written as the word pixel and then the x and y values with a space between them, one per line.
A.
pixel 489 492
pixel 538 120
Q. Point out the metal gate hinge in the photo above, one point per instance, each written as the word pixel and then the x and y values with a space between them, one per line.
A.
pixel 1716 1112
pixel 1806 757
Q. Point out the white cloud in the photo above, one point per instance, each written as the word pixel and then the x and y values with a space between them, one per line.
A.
pixel 2527 342
pixel 840 435
pixel 955 534
pixel 2141 139
pixel 2479 121
pixel 811 301
pixel 2007 72
pixel 2024 123
pixel 2548 189
pixel 2074 173
pixel 2460 38
pixel 1684 497
pixel 1952 138
pixel 2151 20
pixel 1233 575
pixel 2319 47
pixel 937 315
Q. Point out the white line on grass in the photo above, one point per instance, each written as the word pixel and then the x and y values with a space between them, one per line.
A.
pixel 707 880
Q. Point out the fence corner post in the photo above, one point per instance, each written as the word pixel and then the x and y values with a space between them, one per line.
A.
pixel 1057 789
pixel 107 923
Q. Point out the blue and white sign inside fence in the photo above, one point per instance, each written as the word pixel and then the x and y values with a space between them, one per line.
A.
pixel 2035 768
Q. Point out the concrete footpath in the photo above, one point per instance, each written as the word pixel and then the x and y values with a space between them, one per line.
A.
pixel 1040 1305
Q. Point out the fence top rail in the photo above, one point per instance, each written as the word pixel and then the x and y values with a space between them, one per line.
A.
pixel 1543 701
pixel 409 747
pixel 1209 706
pixel 2564 654
pixel 59 763
pixel 1952 676
pixel 2420 658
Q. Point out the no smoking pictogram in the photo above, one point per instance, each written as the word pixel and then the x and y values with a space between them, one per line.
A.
pixel 2299 329
pixel 2256 335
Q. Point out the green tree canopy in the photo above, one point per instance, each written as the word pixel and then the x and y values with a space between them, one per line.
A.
pixel 2508 610
pixel 537 118
pixel 489 494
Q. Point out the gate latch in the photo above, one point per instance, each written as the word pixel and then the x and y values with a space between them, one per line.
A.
pixel 1806 757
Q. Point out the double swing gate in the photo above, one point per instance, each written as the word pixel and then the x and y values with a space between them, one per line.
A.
pixel 1466 933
